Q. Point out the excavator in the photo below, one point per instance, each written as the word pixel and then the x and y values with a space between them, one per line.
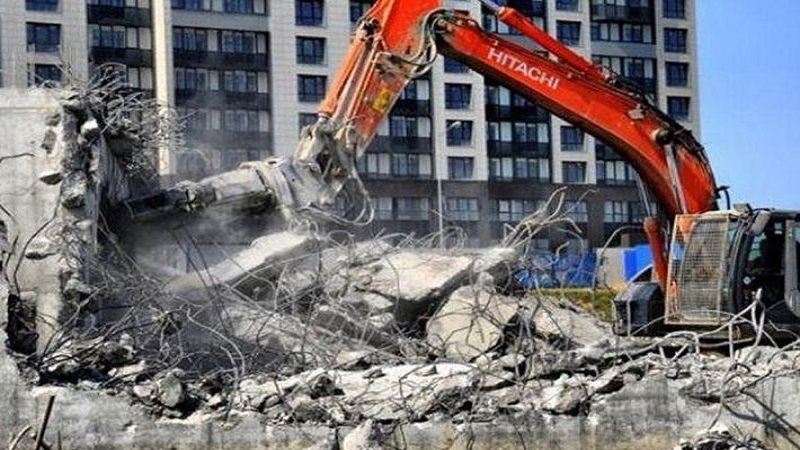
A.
pixel 713 266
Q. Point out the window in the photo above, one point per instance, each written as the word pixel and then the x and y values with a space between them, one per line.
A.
pixel 568 32
pixel 403 126
pixel 460 168
pixel 311 88
pixel 43 37
pixel 140 77
pixel 454 66
pixel 639 70
pixel 675 40
pixel 189 79
pixel 107 36
pixel 196 119
pixel 310 50
pixel 457 96
pixel 638 213
pixel 41 5
pixel 615 212
pixel 567 5
pixel 239 81
pixel 411 165
pixel 497 96
pixel 191 39
pixel 514 210
pixel 115 3
pixel 358 8
pixel 309 13
pixel 46 75
pixel 677 74
pixel 306 119
pixel 191 5
pixel 571 139
pixel 375 165
pixel 622 32
pixel 674 9
pixel 509 169
pixel 412 208
pixel 462 208
pixel 573 172
pixel 238 6
pixel 238 42
pixel 240 120
pixel 577 211
pixel 615 173
pixel 678 107
pixel 459 133
pixel 383 208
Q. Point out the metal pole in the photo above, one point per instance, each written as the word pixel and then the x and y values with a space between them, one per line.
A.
pixel 439 196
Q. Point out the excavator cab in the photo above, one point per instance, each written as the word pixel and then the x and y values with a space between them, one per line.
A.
pixel 720 266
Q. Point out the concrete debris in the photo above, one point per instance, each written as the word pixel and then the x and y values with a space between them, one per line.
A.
pixel 559 321
pixel 266 258
pixel 169 390
pixel 720 438
pixel 361 438
pixel 469 323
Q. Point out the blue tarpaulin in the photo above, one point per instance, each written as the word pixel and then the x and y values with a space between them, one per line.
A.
pixel 548 270
pixel 636 259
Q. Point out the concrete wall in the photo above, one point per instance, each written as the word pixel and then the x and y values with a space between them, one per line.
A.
pixel 56 170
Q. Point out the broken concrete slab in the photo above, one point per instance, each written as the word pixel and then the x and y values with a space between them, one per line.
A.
pixel 414 276
pixel 556 321
pixel 366 303
pixel 265 259
pixel 469 323
pixel 339 320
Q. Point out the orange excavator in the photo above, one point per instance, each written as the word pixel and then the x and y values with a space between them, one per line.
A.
pixel 716 264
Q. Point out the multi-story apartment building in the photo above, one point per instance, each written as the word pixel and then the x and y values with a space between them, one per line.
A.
pixel 457 149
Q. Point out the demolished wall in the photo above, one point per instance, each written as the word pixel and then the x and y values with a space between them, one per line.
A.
pixel 56 170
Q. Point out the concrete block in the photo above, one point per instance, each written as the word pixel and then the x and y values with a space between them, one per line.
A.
pixel 469 323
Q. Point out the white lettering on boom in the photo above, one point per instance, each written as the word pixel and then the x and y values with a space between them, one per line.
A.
pixel 516 65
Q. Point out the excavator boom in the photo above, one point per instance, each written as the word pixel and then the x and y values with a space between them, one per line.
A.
pixel 395 42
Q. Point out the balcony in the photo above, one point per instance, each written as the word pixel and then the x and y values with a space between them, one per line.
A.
pixel 203 58
pixel 648 85
pixel 208 99
pixel 405 107
pixel 534 8
pixel 528 149
pixel 529 113
pixel 407 144
pixel 128 56
pixel 118 15
pixel 622 13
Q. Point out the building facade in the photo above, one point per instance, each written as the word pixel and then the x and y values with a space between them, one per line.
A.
pixel 457 149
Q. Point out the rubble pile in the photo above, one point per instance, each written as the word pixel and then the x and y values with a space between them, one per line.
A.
pixel 300 340
pixel 369 333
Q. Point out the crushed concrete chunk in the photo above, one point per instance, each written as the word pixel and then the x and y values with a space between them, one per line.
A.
pixel 416 276
pixel 469 323
pixel 267 256
pixel 361 438
pixel 556 322
pixel 170 390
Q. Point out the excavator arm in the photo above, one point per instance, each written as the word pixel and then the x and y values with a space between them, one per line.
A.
pixel 397 39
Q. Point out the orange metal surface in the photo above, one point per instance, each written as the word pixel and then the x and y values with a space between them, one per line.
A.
pixel 614 116
pixel 374 73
